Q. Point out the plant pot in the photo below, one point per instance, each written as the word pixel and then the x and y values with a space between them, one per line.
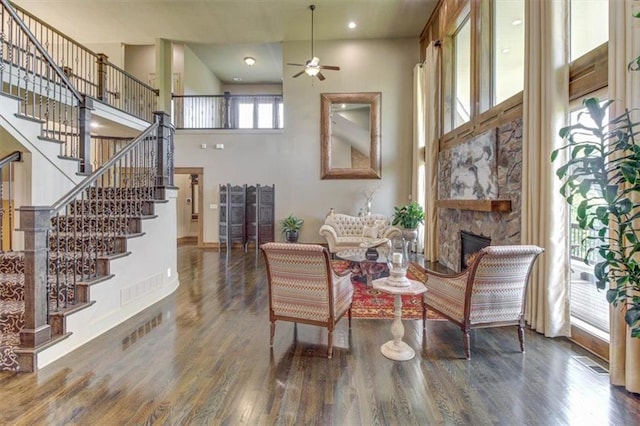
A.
pixel 292 236
pixel 409 234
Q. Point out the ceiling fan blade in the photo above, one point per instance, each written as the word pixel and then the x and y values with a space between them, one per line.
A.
pixel 330 67
pixel 297 65
pixel 299 74
pixel 320 76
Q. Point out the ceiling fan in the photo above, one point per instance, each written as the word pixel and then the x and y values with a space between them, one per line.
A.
pixel 312 67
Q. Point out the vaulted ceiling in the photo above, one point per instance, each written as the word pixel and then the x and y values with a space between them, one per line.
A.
pixel 220 31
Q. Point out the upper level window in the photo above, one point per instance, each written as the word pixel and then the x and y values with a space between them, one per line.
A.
pixel 589 25
pixel 462 67
pixel 508 49
pixel 457 84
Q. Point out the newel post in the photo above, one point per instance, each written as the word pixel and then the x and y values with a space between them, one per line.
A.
pixel 35 222
pixel 164 172
pixel 84 151
pixel 227 110
pixel 102 77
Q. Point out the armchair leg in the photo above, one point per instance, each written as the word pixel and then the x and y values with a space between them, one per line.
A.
pixel 330 345
pixel 349 314
pixel 467 344
pixel 273 331
pixel 521 337
pixel 424 316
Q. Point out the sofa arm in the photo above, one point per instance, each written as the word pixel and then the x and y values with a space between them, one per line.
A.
pixel 392 232
pixel 331 236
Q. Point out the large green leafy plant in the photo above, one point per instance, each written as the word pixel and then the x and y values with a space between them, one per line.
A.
pixel 601 178
pixel 408 216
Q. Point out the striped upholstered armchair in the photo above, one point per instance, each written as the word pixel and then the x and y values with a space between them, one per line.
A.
pixel 303 288
pixel 489 293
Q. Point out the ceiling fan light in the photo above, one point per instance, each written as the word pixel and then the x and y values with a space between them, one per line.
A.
pixel 312 71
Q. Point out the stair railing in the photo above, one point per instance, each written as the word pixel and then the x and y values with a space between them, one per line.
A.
pixel 92 73
pixel 56 79
pixel 7 214
pixel 68 245
pixel 28 73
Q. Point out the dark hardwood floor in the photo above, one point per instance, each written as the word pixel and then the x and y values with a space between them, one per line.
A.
pixel 202 357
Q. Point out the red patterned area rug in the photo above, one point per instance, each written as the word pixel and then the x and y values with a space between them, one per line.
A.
pixel 373 304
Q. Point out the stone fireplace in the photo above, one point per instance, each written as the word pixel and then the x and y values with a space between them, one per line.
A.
pixel 501 227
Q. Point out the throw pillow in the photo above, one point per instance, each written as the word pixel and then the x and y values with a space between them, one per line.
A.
pixel 369 232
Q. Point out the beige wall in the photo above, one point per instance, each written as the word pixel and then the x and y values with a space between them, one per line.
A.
pixel 140 61
pixel 290 159
pixel 198 79
pixel 253 89
pixel 115 52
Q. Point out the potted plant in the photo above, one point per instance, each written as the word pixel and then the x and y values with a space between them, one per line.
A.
pixel 408 217
pixel 601 179
pixel 290 227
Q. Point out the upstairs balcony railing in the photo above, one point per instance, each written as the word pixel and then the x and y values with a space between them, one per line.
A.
pixel 578 249
pixel 91 73
pixel 228 111
pixel 56 79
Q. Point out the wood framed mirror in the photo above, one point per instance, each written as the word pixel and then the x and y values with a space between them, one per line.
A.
pixel 350 136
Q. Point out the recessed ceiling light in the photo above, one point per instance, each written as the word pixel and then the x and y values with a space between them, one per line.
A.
pixel 94 124
pixel 506 50
pixel 516 22
pixel 352 25
pixel 343 106
pixel 237 79
pixel 249 61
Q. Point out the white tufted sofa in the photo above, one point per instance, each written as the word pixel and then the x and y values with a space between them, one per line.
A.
pixel 345 232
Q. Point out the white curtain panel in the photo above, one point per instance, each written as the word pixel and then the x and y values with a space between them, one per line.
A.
pixel 431 119
pixel 624 88
pixel 417 175
pixel 544 211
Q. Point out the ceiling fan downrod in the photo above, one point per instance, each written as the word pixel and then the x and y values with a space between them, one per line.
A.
pixel 312 7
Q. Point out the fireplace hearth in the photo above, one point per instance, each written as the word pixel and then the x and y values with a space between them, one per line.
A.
pixel 470 244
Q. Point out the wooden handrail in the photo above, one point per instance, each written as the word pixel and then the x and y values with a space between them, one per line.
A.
pixel 14 156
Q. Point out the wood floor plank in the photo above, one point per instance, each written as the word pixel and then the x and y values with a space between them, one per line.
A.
pixel 202 357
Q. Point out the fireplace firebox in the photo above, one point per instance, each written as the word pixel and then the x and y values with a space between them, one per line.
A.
pixel 470 244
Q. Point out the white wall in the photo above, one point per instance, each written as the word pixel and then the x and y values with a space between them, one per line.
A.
pixel 198 78
pixel 115 52
pixel 290 159
pixel 253 89
pixel 140 61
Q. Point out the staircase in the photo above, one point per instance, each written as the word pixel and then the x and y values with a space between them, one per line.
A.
pixel 89 229
pixel 86 265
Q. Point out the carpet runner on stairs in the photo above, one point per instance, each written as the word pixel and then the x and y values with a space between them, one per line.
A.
pixel 93 228
pixel 11 308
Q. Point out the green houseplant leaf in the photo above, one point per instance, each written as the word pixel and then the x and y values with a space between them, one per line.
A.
pixel 601 179
pixel 408 216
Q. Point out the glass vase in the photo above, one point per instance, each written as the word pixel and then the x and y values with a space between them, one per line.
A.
pixel 398 262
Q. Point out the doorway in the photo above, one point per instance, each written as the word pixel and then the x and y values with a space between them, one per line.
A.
pixel 190 204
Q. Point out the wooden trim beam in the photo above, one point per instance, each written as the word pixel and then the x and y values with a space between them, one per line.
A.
pixel 502 206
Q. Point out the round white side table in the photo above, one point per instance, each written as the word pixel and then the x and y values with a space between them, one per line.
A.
pixel 396 349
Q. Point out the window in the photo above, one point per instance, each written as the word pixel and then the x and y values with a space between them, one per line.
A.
pixel 487 41
pixel 462 83
pixel 458 75
pixel 589 306
pixel 508 49
pixel 589 25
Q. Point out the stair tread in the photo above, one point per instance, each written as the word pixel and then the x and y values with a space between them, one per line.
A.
pixel 11 307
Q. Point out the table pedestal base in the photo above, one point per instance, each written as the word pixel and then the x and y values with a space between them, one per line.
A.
pixel 397 351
